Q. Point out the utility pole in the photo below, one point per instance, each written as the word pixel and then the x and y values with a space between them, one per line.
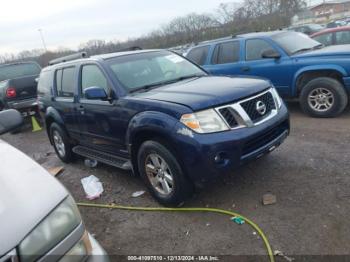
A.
pixel 42 38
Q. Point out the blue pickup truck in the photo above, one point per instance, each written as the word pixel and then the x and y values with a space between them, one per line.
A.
pixel 298 66
pixel 161 116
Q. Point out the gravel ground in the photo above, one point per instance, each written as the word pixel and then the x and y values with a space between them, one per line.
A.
pixel 309 174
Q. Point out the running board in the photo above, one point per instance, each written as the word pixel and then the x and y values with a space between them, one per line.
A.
pixel 103 157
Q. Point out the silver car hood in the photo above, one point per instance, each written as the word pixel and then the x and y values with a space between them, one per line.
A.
pixel 27 194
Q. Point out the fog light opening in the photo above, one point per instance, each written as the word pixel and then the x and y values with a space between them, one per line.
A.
pixel 221 158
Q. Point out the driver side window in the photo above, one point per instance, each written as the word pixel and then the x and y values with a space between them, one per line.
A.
pixel 91 76
pixel 255 48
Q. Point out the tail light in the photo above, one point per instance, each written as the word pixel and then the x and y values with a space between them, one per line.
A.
pixel 11 92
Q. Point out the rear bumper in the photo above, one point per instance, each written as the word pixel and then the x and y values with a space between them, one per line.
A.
pixel 199 152
pixel 22 104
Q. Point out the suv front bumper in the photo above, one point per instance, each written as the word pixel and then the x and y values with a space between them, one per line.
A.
pixel 205 156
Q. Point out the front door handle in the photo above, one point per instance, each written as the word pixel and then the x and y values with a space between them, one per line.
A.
pixel 245 68
pixel 81 109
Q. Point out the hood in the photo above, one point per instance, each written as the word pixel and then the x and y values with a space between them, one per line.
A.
pixel 205 92
pixel 335 50
pixel 27 194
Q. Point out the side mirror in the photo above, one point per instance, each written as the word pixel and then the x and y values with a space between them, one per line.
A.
pixel 10 120
pixel 95 93
pixel 271 53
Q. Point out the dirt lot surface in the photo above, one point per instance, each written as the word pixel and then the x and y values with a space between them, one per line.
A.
pixel 309 174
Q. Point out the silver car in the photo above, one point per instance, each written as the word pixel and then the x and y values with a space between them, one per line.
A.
pixel 39 219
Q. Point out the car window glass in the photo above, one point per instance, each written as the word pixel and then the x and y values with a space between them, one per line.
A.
pixel 138 70
pixel 92 76
pixel 255 49
pixel 199 55
pixel 45 82
pixel 226 53
pixel 342 37
pixel 325 39
pixel 18 70
pixel 65 82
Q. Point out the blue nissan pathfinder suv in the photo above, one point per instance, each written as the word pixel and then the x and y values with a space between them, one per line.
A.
pixel 161 116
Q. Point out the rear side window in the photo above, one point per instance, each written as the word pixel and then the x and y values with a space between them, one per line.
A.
pixel 255 48
pixel 226 53
pixel 199 55
pixel 65 82
pixel 45 83
pixel 91 76
pixel 18 70
pixel 342 37
pixel 325 39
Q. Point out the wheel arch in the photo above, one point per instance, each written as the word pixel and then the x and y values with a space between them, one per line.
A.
pixel 306 74
pixel 149 126
pixel 52 116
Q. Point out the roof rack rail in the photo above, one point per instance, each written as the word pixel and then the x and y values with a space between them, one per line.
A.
pixel 131 48
pixel 68 58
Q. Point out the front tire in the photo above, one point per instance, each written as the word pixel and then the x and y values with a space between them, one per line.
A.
pixel 61 143
pixel 163 174
pixel 323 97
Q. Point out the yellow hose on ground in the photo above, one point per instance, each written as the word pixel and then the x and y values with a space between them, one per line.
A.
pixel 190 209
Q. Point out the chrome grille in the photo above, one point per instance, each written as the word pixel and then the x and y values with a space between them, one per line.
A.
pixel 228 115
pixel 248 112
pixel 250 106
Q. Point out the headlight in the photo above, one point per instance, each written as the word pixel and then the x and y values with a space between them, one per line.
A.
pixel 277 97
pixel 79 251
pixel 55 227
pixel 207 121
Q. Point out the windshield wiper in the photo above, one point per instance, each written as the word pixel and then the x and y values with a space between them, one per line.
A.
pixel 308 49
pixel 157 84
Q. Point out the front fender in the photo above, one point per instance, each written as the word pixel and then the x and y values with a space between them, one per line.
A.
pixel 337 68
pixel 150 121
pixel 53 113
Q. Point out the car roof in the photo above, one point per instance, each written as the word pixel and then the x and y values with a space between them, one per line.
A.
pixel 111 55
pixel 240 36
pixel 99 57
pixel 331 30
pixel 18 63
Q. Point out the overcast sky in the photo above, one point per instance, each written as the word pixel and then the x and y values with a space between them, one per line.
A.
pixel 68 23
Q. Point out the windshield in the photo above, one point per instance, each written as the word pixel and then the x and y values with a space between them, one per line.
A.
pixel 146 69
pixel 18 70
pixel 293 42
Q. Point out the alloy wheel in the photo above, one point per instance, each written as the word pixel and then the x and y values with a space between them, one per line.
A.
pixel 321 99
pixel 159 174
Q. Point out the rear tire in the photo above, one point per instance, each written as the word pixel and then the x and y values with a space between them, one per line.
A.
pixel 323 97
pixel 163 174
pixel 61 144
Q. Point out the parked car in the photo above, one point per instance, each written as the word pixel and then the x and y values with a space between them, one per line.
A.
pixel 298 66
pixel 18 87
pixel 39 218
pixel 307 29
pixel 333 36
pixel 160 115
pixel 337 23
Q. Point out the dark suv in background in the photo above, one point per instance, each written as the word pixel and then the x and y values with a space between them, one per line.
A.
pixel 18 86
pixel 158 114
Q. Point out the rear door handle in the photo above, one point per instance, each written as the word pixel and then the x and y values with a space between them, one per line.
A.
pixel 245 68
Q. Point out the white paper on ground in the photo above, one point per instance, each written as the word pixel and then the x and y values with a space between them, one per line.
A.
pixel 92 186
